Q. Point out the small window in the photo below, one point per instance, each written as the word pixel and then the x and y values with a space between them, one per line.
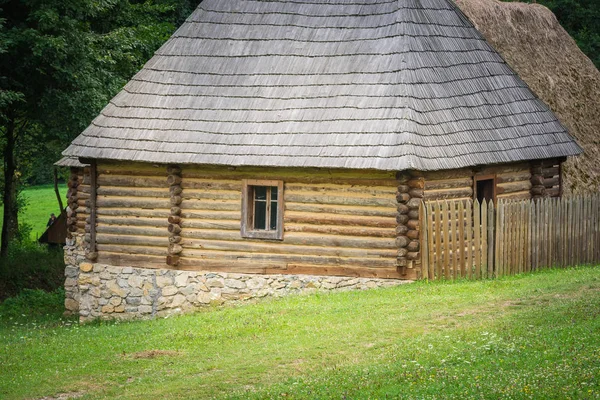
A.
pixel 485 188
pixel 262 209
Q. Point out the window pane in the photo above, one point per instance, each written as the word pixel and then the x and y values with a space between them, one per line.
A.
pixel 273 193
pixel 260 193
pixel 260 214
pixel 273 221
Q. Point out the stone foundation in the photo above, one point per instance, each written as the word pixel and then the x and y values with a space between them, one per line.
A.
pixel 98 291
pixel 109 292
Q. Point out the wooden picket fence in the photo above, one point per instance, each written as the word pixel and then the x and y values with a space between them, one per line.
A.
pixel 465 239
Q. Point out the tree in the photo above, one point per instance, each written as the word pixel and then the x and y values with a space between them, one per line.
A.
pixel 62 60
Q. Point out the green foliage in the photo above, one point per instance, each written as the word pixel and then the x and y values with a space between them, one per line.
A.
pixel 33 304
pixel 29 265
pixel 521 337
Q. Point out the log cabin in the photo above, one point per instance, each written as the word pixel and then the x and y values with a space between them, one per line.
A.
pixel 278 145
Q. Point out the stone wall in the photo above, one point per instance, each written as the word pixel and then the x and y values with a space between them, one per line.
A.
pixel 109 292
pixel 100 291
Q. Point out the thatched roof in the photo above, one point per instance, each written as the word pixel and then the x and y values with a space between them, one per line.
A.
pixel 530 39
pixel 388 84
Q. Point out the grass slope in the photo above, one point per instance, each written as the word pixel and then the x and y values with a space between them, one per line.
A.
pixel 523 337
pixel 41 201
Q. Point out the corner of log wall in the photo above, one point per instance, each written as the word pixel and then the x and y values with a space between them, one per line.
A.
pixel 409 196
pixel 175 190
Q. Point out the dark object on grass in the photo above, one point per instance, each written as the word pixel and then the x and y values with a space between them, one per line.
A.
pixel 56 233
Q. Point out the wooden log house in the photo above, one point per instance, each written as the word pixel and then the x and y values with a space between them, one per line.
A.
pixel 299 137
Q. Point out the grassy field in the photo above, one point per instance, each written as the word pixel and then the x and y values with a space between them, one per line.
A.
pixel 41 201
pixel 525 337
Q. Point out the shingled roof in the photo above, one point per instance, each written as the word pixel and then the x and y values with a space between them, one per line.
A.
pixel 388 84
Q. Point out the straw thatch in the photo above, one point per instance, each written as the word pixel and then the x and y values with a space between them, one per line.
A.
pixel 387 84
pixel 530 39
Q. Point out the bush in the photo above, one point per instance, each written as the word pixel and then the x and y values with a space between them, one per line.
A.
pixel 30 265
pixel 32 304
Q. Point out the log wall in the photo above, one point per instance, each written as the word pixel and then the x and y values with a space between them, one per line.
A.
pixel 133 206
pixel 335 223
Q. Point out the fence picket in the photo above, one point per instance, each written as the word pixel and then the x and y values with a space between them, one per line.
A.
pixel 469 261
pixel 461 237
pixel 490 247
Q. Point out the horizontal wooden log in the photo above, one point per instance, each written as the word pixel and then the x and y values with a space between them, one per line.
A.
pixel 126 202
pixel 211 224
pixel 513 177
pixel 213 205
pixel 538 191
pixel 389 273
pixel 550 172
pixel 292 175
pixel 448 183
pixel 241 267
pixel 132 213
pixel 413 255
pixel 525 195
pixel 131 221
pixel 512 187
pixel 174 239
pixel 504 168
pixel 109 238
pixel 336 189
pixel 216 215
pixel 133 260
pixel 174 219
pixel 551 182
pixel 341 199
pixel 553 192
pixel 447 174
pixel 130 168
pixel 453 193
pixel 402 252
pixel 335 209
pixel 130 192
pixel 286 258
pixel 132 249
pixel 346 220
pixel 299 238
pixel 341 230
pixel 131 181
pixel 213 195
pixel 132 230
pixel 189 183
pixel 246 246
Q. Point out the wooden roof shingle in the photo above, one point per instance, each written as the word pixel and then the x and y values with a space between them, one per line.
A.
pixel 391 85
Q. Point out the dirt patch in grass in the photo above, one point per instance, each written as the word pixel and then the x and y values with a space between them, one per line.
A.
pixel 149 354
pixel 64 396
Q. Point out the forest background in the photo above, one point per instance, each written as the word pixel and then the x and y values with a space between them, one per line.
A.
pixel 61 61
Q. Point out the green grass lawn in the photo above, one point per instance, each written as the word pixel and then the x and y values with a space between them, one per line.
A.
pixel 41 201
pixel 523 337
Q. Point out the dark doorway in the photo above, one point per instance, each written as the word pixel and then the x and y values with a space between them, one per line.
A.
pixel 485 188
